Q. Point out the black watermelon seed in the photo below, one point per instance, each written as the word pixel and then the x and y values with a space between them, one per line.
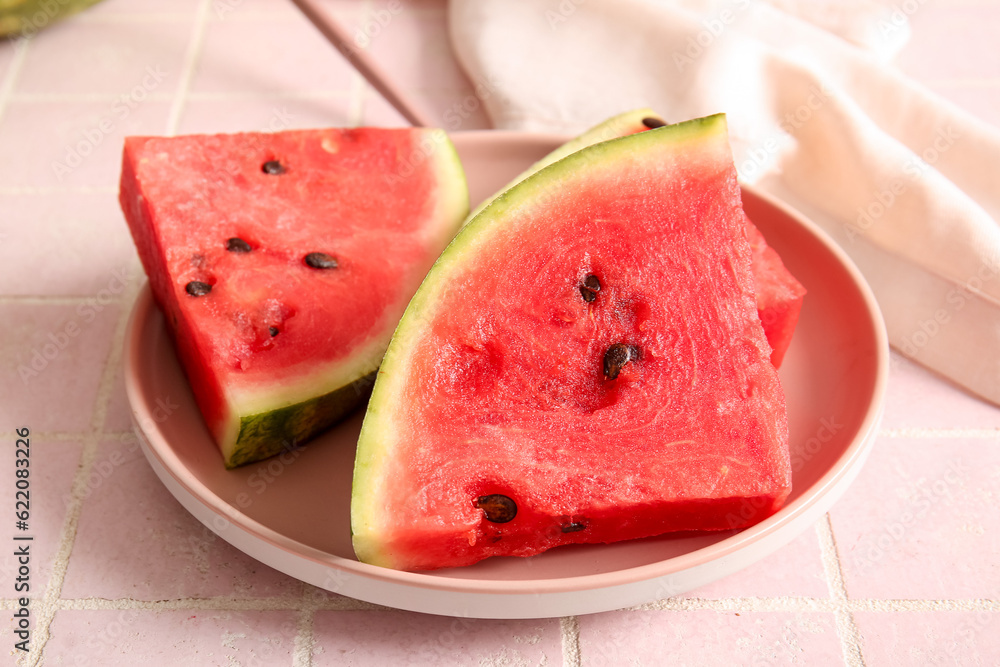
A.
pixel 574 527
pixel 321 260
pixel 197 288
pixel 273 167
pixel 237 244
pixel 616 357
pixel 653 123
pixel 273 331
pixel 590 287
pixel 497 508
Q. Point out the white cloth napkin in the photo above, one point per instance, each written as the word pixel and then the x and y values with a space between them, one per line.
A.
pixel 903 180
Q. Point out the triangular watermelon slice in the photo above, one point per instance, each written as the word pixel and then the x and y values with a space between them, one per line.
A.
pixel 584 363
pixel 779 294
pixel 283 262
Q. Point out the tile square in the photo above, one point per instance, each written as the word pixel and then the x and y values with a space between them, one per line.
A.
pixel 709 637
pixel 264 115
pixel 142 9
pixel 929 638
pixel 52 467
pixel 64 244
pixel 135 541
pixel 920 521
pixel 414 48
pixel 952 42
pixel 917 397
pixel 404 638
pixel 257 57
pixel 129 637
pixel 794 570
pixel 53 357
pixel 135 59
pixel 71 143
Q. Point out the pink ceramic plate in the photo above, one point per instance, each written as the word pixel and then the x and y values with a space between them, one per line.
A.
pixel 293 512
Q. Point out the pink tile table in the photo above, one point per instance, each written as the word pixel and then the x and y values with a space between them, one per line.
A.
pixel 904 570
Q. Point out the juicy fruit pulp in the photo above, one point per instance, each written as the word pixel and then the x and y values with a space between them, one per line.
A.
pixel 282 263
pixel 779 294
pixel 584 361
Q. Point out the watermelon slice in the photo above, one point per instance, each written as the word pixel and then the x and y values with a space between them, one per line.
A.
pixel 283 262
pixel 584 363
pixel 779 294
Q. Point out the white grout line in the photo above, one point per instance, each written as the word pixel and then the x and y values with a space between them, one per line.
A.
pixel 190 63
pixel 569 627
pixel 58 300
pixel 269 96
pixel 305 640
pixel 360 90
pixel 887 606
pixel 222 603
pixel 742 604
pixel 750 604
pixel 241 16
pixel 62 436
pixel 105 98
pixel 847 630
pixel 67 537
pixel 7 190
pixel 151 17
pixel 207 96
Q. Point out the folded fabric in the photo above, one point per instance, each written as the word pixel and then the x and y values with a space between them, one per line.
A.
pixel 901 179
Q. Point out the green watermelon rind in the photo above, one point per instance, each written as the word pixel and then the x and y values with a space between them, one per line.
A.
pixel 284 428
pixel 613 128
pixel 375 443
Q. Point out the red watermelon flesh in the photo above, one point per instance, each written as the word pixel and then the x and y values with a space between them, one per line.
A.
pixel 498 427
pixel 277 346
pixel 779 294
